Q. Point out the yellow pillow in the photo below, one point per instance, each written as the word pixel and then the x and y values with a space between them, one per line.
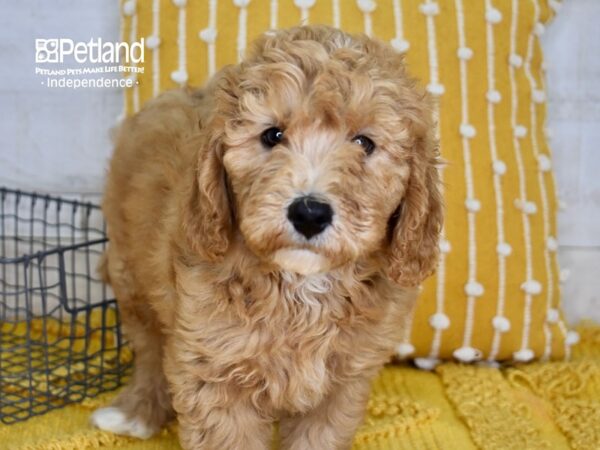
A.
pixel 496 294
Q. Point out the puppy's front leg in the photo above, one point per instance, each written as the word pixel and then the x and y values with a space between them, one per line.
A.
pixel 215 416
pixel 332 425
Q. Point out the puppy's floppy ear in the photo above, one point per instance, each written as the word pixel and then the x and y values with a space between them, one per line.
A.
pixel 413 248
pixel 207 218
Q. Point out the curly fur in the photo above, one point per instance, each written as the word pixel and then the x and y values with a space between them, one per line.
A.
pixel 236 320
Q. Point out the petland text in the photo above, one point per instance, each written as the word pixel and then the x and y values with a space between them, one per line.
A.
pixel 94 51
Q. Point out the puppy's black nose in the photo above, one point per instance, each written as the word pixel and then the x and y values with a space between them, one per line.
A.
pixel 309 216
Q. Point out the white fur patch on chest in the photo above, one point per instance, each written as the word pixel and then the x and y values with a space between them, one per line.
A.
pixel 297 371
pixel 307 289
pixel 301 261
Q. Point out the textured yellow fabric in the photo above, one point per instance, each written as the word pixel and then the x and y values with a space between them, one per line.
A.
pixel 552 405
pixel 570 390
pixel 56 351
pixel 482 61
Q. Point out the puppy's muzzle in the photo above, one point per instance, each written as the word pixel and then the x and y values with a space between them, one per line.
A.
pixel 309 216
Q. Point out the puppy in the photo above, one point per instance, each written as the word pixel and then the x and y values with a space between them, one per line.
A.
pixel 267 237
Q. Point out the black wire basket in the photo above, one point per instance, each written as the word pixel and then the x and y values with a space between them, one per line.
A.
pixel 60 339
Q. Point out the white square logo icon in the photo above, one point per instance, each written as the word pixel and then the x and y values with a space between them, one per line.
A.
pixel 46 51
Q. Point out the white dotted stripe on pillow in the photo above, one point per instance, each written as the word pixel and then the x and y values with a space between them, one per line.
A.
pixel 135 89
pixel 304 6
pixel 436 89
pixel 336 13
pixel 564 272
pixel 153 42
pixel 180 76
pixel 242 27
pixel 473 289
pixel 440 300
pixel 123 113
pixel 500 323
pixel 527 207
pixel 405 348
pixel 367 7
pixel 543 165
pixel 209 36
pixel 399 42
pixel 273 14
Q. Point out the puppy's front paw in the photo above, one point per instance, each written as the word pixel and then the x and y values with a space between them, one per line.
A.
pixel 114 420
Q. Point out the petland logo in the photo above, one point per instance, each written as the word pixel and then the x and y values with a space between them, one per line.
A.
pixel 65 63
pixel 51 51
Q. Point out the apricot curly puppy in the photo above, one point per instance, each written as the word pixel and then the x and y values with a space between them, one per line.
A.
pixel 267 237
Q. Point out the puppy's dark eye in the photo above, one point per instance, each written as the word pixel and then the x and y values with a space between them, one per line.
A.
pixel 365 143
pixel 271 137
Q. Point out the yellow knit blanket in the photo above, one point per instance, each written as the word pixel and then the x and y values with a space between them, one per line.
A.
pixel 543 405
